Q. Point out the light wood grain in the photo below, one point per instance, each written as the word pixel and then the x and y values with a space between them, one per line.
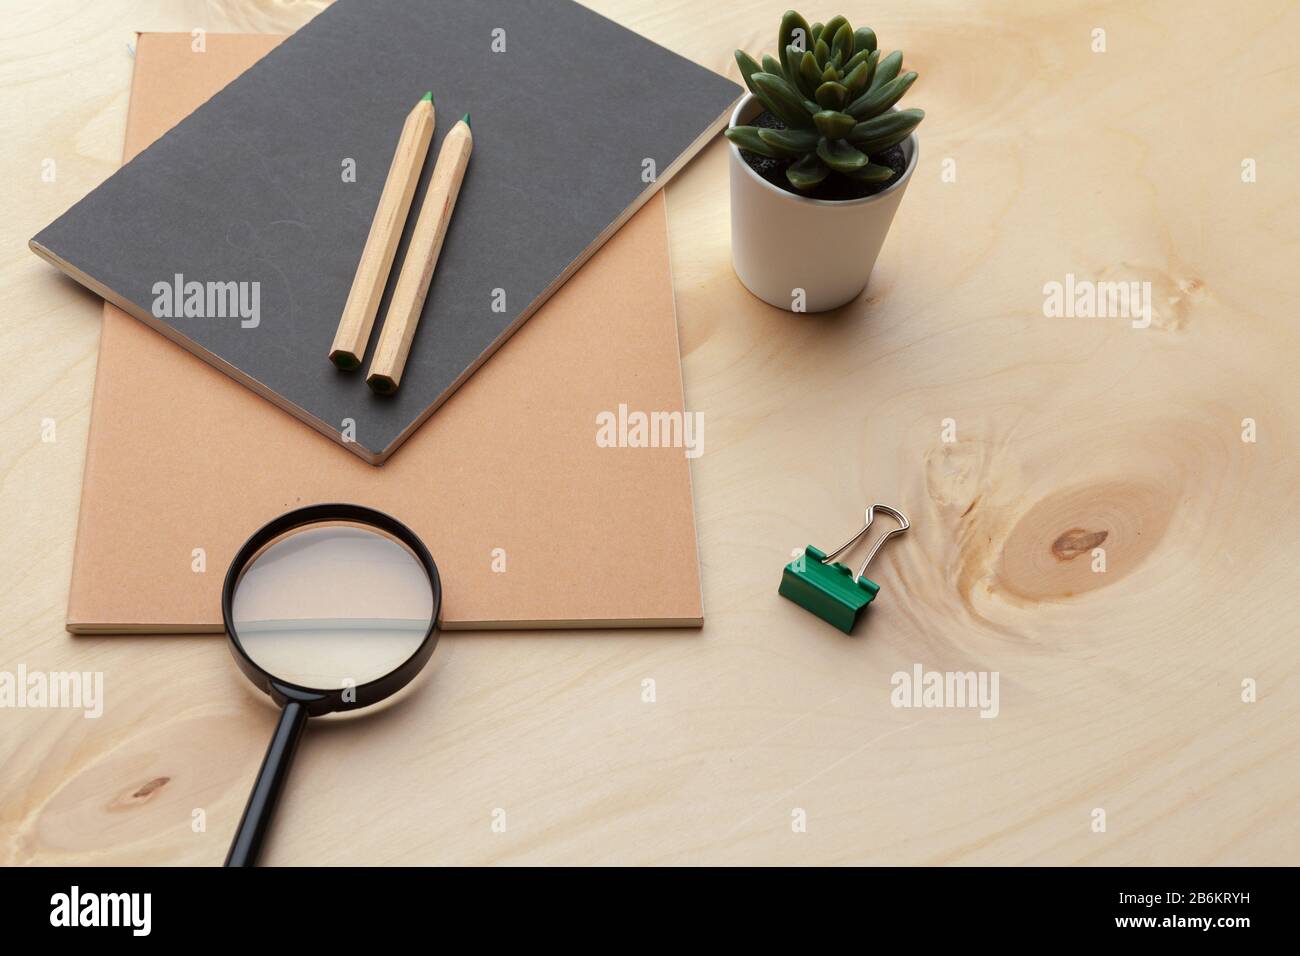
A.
pixel 349 347
pixel 1120 691
pixel 403 315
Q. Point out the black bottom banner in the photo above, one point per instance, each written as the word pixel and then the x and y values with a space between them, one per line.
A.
pixel 346 906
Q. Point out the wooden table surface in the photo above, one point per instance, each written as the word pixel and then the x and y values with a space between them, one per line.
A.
pixel 1016 442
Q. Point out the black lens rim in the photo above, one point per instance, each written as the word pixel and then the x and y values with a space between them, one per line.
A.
pixel 320 701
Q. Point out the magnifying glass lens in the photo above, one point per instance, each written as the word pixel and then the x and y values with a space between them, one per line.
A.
pixel 332 605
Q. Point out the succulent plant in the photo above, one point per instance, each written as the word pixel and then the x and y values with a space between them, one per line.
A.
pixel 833 91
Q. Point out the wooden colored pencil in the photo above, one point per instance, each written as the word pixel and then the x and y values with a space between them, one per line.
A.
pixel 358 317
pixel 421 258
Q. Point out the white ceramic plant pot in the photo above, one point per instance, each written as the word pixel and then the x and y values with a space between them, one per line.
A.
pixel 781 242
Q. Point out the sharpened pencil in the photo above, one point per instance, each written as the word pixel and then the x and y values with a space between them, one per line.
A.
pixel 421 259
pixel 358 317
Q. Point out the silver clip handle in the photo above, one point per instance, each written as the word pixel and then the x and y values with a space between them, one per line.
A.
pixel 903 525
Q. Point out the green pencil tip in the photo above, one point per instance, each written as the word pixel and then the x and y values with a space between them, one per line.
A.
pixel 465 119
pixel 427 96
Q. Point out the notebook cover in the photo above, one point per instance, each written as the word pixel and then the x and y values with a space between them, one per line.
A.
pixel 572 113
pixel 181 458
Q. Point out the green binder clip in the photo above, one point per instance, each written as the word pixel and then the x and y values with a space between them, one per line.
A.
pixel 818 583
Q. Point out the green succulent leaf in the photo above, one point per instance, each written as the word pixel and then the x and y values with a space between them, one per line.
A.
pixel 830 74
pixel 810 74
pixel 874 147
pixel 873 64
pixel 791 22
pixel 763 98
pixel 834 124
pixel 864 38
pixel 772 65
pixel 884 131
pixel 794 56
pixel 888 69
pixel 822 50
pixel 872 173
pixel 783 100
pixel 806 85
pixel 856 79
pixel 746 137
pixel 840 156
pixel 816 32
pixel 832 28
pixel 791 143
pixel 854 60
pixel 842 45
pixel 885 124
pixel 807 173
pixel 874 102
pixel 832 95
pixel 748 67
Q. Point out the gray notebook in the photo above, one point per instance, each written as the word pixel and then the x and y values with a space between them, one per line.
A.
pixel 238 233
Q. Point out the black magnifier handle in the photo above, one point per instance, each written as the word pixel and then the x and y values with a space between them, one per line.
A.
pixel 266 791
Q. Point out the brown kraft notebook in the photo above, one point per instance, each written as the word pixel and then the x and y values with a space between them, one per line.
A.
pixel 532 522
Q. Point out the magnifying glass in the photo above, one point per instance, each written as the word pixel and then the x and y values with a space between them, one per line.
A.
pixel 328 608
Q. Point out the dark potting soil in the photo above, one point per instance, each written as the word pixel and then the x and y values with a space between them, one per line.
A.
pixel 834 186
